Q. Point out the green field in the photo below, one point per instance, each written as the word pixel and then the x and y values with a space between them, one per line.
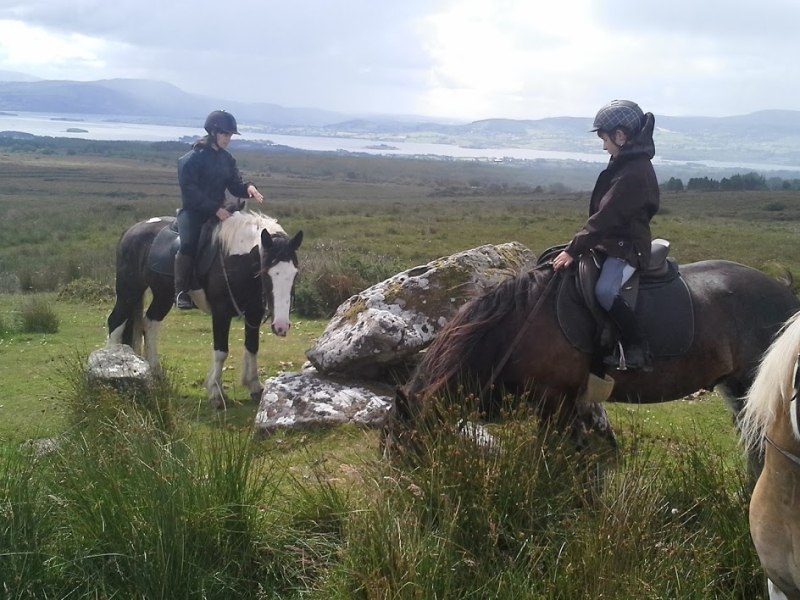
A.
pixel 61 214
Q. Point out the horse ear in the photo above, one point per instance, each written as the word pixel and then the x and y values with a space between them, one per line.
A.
pixel 295 242
pixel 266 239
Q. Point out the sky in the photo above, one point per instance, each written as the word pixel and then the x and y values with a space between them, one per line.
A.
pixel 459 59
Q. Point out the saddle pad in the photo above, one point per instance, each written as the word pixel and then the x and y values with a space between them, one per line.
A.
pixel 664 311
pixel 161 258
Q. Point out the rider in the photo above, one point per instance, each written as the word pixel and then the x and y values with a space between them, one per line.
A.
pixel 204 173
pixel 624 199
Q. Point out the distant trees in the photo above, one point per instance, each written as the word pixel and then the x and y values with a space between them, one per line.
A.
pixel 673 185
pixel 748 182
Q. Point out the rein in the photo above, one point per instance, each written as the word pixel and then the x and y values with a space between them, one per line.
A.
pixel 781 451
pixel 496 371
pixel 233 300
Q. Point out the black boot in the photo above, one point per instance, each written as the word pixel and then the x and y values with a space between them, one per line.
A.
pixel 633 350
pixel 184 267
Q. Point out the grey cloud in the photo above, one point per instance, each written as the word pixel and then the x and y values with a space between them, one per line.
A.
pixel 296 53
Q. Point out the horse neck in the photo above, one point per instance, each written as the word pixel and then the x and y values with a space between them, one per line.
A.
pixel 466 348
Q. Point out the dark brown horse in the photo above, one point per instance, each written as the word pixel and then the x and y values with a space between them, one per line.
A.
pixel 737 310
pixel 252 274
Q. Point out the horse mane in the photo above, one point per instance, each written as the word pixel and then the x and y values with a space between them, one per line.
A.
pixel 773 385
pixel 457 343
pixel 241 232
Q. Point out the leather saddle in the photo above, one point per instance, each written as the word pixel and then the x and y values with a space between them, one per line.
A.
pixel 161 258
pixel 658 294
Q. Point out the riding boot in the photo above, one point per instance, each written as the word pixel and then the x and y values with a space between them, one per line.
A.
pixel 633 352
pixel 184 267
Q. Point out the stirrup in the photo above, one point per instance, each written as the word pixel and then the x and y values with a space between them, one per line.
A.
pixel 618 360
pixel 183 301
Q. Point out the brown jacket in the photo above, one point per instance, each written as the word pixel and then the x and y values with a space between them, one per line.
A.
pixel 624 199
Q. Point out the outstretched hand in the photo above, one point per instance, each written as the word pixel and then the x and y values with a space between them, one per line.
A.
pixel 255 194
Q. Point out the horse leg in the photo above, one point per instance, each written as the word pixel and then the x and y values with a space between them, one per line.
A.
pixel 249 377
pixel 221 325
pixel 734 391
pixel 125 319
pixel 156 312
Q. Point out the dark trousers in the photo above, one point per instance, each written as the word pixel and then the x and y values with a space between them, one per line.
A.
pixel 190 222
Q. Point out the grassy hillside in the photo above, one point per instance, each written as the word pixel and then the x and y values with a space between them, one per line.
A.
pixel 315 514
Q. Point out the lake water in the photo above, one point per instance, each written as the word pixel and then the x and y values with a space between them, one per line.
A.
pixel 97 128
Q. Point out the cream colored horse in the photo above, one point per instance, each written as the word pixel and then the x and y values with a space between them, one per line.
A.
pixel 770 418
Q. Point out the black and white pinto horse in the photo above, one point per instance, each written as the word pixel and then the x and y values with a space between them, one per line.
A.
pixel 252 274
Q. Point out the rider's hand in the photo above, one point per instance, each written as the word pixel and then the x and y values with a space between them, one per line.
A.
pixel 222 214
pixel 254 193
pixel 562 261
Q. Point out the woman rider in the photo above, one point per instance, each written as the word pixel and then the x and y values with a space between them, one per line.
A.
pixel 624 199
pixel 204 173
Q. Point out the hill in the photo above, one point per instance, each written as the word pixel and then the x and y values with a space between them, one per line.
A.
pixel 765 137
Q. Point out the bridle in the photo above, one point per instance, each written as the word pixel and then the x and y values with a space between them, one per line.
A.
pixel 792 457
pixel 238 310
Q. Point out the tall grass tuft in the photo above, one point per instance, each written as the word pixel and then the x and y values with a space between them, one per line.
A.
pixel 134 505
pixel 36 315
pixel 531 521
pixel 26 525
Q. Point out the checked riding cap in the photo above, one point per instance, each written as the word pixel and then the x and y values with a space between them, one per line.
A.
pixel 619 114
pixel 221 121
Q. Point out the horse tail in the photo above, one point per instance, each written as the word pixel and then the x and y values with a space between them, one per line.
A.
pixel 773 385
pixel 455 347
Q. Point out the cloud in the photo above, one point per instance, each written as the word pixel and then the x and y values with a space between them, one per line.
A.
pixel 462 58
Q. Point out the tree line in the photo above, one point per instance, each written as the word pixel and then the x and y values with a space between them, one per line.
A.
pixel 748 182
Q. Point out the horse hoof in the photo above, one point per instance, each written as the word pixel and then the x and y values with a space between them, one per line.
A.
pixel 218 402
pixel 256 396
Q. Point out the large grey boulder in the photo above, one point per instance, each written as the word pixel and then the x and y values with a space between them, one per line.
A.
pixel 389 322
pixel 305 399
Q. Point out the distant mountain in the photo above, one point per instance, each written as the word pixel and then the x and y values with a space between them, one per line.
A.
pixel 154 100
pixel 14 76
pixel 764 137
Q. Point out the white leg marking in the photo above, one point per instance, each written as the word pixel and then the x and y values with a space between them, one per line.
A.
pixel 151 329
pixel 213 381
pixel 282 276
pixel 115 337
pixel 775 593
pixel 250 374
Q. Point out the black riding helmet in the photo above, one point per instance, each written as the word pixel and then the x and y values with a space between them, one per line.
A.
pixel 222 122
pixel 619 114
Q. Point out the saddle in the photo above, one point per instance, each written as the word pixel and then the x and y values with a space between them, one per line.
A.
pixel 161 258
pixel 658 294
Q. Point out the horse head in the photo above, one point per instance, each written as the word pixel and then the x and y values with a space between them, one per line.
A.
pixel 278 271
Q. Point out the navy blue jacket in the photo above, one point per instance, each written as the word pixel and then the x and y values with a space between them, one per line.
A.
pixel 204 174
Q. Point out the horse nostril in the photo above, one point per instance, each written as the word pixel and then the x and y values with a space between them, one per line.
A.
pixel 280 331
